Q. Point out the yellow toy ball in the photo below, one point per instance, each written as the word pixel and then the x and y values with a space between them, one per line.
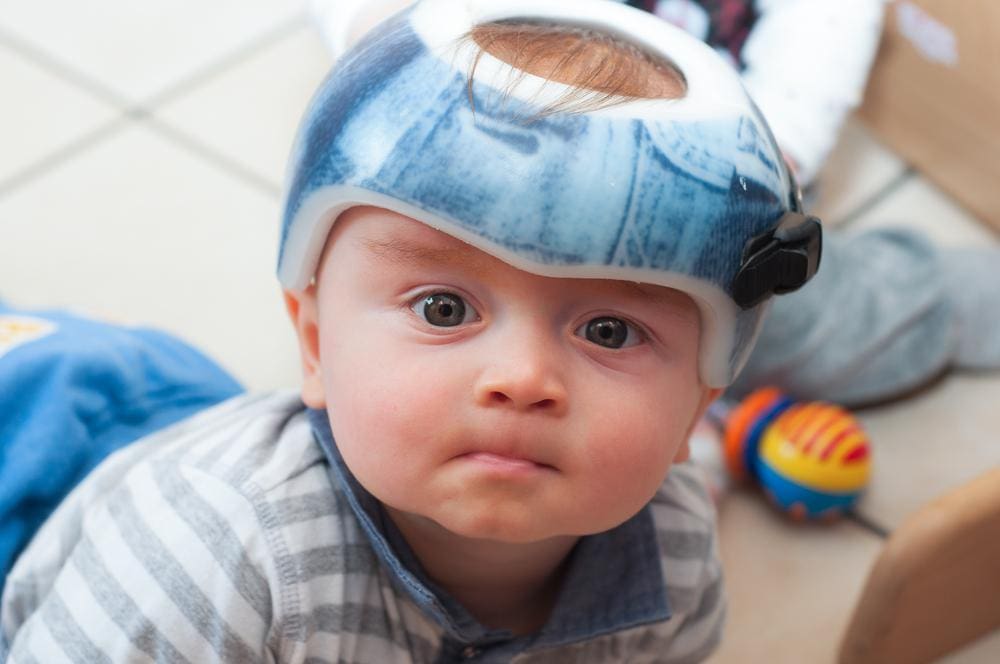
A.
pixel 812 459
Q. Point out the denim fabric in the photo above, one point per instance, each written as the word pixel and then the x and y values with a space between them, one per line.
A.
pixel 74 390
pixel 614 580
pixel 877 321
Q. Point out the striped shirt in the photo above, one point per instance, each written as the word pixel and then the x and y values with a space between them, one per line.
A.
pixel 226 538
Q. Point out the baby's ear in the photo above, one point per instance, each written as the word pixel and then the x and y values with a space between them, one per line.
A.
pixel 301 307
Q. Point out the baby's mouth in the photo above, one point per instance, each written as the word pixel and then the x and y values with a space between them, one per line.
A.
pixel 504 463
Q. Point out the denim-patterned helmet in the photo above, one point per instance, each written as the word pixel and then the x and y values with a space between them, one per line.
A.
pixel 690 193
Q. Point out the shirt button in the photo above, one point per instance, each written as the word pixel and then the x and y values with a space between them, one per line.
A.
pixel 469 652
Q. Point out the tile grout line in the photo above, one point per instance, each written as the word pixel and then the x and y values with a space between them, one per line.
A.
pixel 82 82
pixel 871 201
pixel 242 53
pixel 168 132
pixel 67 151
pixel 143 112
pixel 868 525
pixel 209 154
pixel 66 73
pixel 146 112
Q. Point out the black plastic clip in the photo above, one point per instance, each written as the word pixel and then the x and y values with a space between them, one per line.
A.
pixel 779 261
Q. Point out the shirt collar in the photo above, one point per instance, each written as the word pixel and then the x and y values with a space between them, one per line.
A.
pixel 614 580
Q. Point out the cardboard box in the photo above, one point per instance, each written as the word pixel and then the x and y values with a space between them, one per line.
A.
pixel 934 96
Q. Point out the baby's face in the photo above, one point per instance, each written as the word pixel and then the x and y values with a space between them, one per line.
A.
pixel 495 402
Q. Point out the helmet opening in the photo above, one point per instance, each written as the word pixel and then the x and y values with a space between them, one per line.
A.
pixel 599 69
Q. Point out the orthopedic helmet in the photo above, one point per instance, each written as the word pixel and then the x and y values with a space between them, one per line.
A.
pixel 689 193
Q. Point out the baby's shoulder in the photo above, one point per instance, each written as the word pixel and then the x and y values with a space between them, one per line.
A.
pixel 234 461
pixel 255 443
pixel 252 443
pixel 206 523
pixel 251 464
pixel 685 520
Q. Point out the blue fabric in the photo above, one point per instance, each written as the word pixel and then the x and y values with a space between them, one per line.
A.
pixel 614 580
pixel 72 391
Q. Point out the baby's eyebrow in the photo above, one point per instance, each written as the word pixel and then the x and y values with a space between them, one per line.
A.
pixel 401 252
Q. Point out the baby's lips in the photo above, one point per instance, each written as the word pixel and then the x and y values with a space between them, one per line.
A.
pixel 506 462
pixel 512 450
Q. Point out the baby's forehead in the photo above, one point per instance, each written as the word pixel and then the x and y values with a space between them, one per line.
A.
pixel 395 241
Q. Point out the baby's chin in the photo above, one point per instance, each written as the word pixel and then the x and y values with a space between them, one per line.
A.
pixel 520 526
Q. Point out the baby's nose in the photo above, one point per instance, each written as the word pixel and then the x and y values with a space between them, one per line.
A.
pixel 526 379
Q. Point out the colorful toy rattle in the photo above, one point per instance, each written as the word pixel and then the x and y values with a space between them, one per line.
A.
pixel 812 459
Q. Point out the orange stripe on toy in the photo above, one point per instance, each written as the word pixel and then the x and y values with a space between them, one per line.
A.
pixel 831 419
pixel 798 420
pixel 841 436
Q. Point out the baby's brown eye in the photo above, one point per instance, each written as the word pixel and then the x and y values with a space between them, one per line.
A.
pixel 442 309
pixel 609 332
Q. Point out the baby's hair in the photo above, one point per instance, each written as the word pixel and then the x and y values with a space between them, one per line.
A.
pixel 600 69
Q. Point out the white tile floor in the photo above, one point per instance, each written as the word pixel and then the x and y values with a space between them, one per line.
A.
pixel 142 149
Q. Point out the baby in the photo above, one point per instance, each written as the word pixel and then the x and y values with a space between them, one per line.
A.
pixel 524 247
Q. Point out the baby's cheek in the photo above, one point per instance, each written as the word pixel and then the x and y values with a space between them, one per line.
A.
pixel 392 414
pixel 623 474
